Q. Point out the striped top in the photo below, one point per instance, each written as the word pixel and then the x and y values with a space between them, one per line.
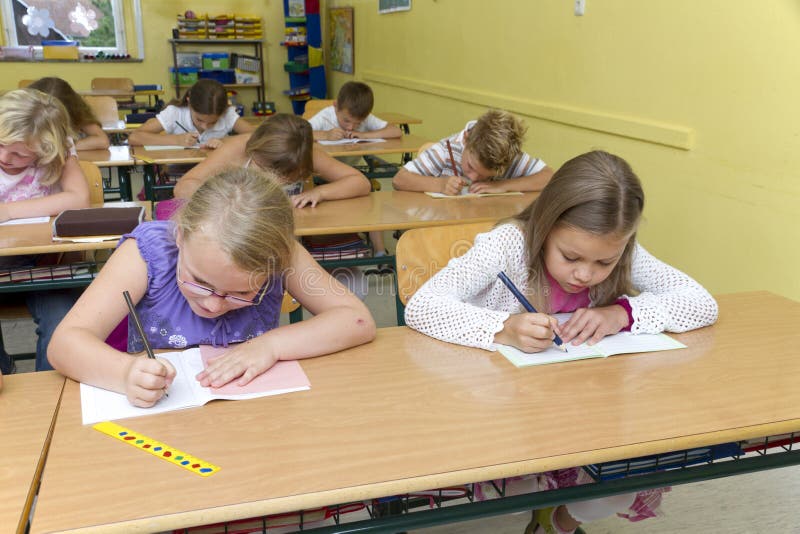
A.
pixel 435 161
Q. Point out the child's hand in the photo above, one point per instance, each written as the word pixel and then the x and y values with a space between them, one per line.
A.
pixel 529 332
pixel 357 135
pixel 188 139
pixel 147 380
pixel 301 200
pixel 591 325
pixel 335 134
pixel 453 185
pixel 486 187
pixel 212 144
pixel 245 362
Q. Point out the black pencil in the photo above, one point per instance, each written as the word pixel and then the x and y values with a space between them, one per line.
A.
pixel 182 127
pixel 140 329
pixel 526 304
pixel 138 324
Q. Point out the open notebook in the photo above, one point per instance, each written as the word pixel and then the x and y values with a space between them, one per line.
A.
pixel 621 343
pixel 349 141
pixel 473 195
pixel 185 392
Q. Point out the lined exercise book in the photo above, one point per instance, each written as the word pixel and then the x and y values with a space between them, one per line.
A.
pixel 621 343
pixel 185 392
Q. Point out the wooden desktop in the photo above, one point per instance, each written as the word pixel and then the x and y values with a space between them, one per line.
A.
pixel 408 413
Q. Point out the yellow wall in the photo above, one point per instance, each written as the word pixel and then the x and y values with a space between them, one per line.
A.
pixel 159 18
pixel 700 97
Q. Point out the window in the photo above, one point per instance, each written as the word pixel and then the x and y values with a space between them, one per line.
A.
pixel 97 25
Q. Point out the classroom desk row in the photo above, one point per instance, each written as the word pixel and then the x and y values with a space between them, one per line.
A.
pixel 409 413
pixel 124 157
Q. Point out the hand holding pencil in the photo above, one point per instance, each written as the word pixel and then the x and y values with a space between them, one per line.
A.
pixel 455 184
pixel 529 332
pixel 147 379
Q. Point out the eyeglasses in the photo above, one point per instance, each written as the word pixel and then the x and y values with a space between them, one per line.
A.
pixel 203 291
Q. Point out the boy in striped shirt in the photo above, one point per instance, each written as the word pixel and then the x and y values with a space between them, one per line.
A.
pixel 488 159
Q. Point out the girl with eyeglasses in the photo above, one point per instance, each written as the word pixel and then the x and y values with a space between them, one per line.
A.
pixel 214 275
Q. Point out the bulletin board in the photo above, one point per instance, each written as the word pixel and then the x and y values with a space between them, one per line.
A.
pixel 341 39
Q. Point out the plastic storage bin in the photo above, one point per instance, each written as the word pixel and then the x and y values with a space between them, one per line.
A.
pixel 221 75
pixel 189 59
pixel 186 75
pixel 216 60
pixel 60 49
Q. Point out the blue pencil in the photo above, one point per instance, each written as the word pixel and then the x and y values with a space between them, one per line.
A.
pixel 182 127
pixel 527 305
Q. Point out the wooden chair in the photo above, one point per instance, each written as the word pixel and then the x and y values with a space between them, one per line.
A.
pixel 117 84
pixel 315 106
pixel 104 108
pixel 95 181
pixel 423 252
pixel 22 84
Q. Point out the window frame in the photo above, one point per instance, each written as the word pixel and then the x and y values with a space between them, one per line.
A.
pixel 120 24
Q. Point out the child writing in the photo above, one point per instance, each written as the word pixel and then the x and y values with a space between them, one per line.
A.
pixel 283 144
pixel 39 175
pixel 186 296
pixel 351 117
pixel 84 123
pixel 488 159
pixel 202 117
pixel 573 249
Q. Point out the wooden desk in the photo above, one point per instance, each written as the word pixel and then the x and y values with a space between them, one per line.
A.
pixel 118 157
pixel 403 210
pixel 401 145
pixel 17 240
pixel 409 413
pixel 400 119
pixel 28 404
pixel 149 159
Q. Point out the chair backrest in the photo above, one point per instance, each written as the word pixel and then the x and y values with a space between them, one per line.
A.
pixel 22 84
pixel 95 181
pixel 315 106
pixel 123 84
pixel 422 252
pixel 288 304
pixel 105 109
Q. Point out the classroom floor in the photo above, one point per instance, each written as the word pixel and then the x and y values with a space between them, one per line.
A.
pixel 746 504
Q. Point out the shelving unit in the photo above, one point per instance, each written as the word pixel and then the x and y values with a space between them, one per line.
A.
pixel 303 42
pixel 229 43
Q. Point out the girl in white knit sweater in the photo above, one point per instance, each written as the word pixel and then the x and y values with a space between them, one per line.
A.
pixel 573 249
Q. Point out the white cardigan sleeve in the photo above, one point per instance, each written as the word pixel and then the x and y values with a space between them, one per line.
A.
pixel 462 303
pixel 669 299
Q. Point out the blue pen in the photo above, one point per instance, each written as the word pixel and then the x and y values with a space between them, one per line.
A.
pixel 527 305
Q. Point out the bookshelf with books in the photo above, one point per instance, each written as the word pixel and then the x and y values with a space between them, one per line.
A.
pixel 303 43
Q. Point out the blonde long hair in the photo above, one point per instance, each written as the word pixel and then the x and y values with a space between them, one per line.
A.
pixel 596 192
pixel 41 122
pixel 248 214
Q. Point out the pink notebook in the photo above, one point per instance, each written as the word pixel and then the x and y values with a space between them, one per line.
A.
pixel 282 375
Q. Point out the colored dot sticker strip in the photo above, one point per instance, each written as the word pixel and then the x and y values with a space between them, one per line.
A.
pixel 156 448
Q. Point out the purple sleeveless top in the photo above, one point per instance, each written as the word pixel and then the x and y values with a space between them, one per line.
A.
pixel 167 319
